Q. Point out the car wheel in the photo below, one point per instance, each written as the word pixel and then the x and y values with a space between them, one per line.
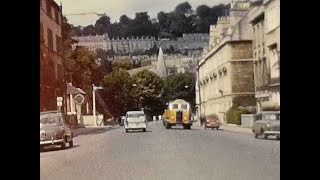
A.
pixel 144 130
pixel 278 137
pixel 127 130
pixel 63 145
pixel 71 144
pixel 256 136
pixel 189 127
pixel 167 126
pixel 264 136
pixel 218 128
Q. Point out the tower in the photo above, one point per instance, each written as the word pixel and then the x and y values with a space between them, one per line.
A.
pixel 161 65
pixel 238 9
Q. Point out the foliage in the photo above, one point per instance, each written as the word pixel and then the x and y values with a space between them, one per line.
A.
pixel 81 63
pixel 105 66
pixel 180 86
pixel 125 64
pixel 148 91
pixel 233 115
pixel 117 86
pixel 183 19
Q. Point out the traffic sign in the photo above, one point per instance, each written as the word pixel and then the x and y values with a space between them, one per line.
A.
pixel 79 99
pixel 59 103
pixel 59 99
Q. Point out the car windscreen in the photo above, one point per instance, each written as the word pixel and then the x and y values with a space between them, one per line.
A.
pixel 136 115
pixel 271 116
pixel 48 120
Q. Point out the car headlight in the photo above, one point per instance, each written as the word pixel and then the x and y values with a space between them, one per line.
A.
pixel 42 135
pixel 268 125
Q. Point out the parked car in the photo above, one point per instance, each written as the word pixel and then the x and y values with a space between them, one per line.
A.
pixel 135 120
pixel 267 123
pixel 212 122
pixel 54 131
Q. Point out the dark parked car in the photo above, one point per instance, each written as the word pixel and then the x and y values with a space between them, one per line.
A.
pixel 54 131
pixel 267 123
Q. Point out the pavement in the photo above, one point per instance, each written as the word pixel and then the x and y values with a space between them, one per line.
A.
pixel 235 128
pixel 161 153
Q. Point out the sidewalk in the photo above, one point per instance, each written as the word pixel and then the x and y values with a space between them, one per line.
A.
pixel 236 128
pixel 91 129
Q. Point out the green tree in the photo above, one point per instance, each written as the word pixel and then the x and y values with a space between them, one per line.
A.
pixel 180 86
pixel 117 86
pixel 82 64
pixel 148 92
pixel 125 64
pixel 105 66
pixel 102 25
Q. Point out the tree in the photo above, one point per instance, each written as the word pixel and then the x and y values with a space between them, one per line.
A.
pixel 82 64
pixel 180 86
pixel 117 86
pixel 89 30
pixel 148 92
pixel 125 64
pixel 105 66
pixel 102 24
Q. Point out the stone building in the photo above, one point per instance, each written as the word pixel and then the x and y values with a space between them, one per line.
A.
pixel 52 83
pixel 266 46
pixel 129 45
pixel 225 72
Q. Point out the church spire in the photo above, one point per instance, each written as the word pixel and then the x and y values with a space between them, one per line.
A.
pixel 161 65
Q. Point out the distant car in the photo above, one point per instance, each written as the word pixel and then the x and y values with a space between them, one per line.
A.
pixel 212 122
pixel 135 120
pixel 54 131
pixel 267 123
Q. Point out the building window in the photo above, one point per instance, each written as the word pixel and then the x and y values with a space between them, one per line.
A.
pixel 58 44
pixel 48 8
pixel 41 33
pixel 57 16
pixel 50 39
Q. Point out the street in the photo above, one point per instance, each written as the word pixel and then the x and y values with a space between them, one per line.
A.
pixel 164 154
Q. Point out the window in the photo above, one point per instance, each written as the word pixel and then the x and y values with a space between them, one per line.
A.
pixel 41 33
pixel 48 8
pixel 58 44
pixel 57 18
pixel 184 106
pixel 174 106
pixel 50 39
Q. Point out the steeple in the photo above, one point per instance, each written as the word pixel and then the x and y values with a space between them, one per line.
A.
pixel 161 65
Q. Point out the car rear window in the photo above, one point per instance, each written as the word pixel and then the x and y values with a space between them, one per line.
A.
pixel 136 115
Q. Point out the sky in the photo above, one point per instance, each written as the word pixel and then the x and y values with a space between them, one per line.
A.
pixel 115 8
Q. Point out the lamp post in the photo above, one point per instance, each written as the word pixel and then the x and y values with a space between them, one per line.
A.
pixel 94 88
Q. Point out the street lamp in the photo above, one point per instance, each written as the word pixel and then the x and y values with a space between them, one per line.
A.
pixel 94 88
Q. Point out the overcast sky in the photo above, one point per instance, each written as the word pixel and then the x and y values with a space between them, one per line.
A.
pixel 115 8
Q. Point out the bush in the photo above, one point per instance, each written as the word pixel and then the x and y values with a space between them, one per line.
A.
pixel 233 115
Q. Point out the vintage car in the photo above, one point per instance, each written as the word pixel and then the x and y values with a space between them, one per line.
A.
pixel 212 122
pixel 135 120
pixel 178 113
pixel 54 131
pixel 267 123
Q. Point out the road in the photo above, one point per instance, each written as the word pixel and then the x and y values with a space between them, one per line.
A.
pixel 172 154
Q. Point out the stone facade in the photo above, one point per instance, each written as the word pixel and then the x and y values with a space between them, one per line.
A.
pixel 226 70
pixel 129 45
pixel 52 71
pixel 266 45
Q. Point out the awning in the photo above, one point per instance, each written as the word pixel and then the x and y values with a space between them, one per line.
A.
pixel 73 90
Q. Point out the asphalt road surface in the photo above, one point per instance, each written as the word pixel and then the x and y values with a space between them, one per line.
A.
pixel 162 154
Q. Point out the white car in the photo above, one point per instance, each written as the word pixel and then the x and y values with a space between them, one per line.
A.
pixel 135 120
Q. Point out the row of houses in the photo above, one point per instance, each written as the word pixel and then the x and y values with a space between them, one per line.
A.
pixel 129 45
pixel 242 61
